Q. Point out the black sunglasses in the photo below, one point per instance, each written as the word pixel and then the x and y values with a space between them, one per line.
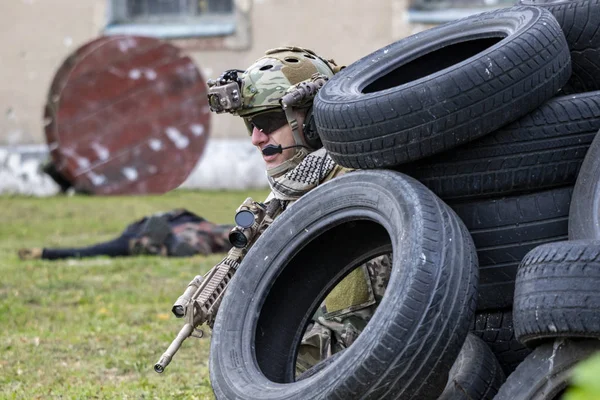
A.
pixel 267 122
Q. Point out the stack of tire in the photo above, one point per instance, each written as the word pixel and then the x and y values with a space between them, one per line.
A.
pixel 557 297
pixel 498 130
pixel 475 148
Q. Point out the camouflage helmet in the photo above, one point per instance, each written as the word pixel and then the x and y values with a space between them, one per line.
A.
pixel 266 81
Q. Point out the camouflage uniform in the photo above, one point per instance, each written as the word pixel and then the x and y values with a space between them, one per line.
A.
pixel 333 328
pixel 346 310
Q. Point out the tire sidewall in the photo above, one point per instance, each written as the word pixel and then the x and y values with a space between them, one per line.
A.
pixel 584 213
pixel 354 78
pixel 236 322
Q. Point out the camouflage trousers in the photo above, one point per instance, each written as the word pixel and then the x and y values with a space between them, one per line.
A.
pixel 345 312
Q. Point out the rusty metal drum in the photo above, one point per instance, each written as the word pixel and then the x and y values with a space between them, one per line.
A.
pixel 126 115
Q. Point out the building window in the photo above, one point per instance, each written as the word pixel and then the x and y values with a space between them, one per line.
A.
pixel 441 11
pixel 172 18
pixel 175 9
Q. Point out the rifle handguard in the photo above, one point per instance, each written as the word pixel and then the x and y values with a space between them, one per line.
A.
pixel 200 301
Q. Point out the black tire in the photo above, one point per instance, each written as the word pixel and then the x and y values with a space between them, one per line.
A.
pixel 546 373
pixel 412 340
pixel 579 20
pixel 496 329
pixel 584 216
pixel 475 375
pixel 442 87
pixel 541 150
pixel 505 230
pixel 557 292
pixel 320 366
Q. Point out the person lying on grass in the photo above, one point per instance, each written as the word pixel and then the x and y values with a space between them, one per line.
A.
pixel 177 233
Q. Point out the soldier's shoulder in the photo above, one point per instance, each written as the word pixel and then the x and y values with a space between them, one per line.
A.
pixel 338 170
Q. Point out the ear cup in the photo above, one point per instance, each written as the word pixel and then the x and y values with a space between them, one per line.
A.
pixel 311 135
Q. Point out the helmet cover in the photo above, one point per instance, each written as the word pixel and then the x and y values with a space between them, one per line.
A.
pixel 266 81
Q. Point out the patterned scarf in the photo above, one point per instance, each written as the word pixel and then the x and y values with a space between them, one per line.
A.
pixel 304 177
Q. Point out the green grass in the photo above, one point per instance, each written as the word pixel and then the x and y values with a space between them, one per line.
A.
pixel 585 384
pixel 93 328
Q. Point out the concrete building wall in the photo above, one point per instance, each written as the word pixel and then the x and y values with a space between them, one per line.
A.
pixel 37 35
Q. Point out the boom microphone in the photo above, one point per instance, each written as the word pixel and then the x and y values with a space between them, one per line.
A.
pixel 271 149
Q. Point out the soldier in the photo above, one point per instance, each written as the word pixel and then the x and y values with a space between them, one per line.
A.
pixel 283 129
pixel 177 233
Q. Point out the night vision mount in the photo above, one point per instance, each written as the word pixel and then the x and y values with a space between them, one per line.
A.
pixel 225 93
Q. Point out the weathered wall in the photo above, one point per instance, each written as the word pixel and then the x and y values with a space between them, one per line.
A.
pixel 37 35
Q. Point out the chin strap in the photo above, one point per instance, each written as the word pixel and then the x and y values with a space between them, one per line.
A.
pixel 293 122
pixel 300 152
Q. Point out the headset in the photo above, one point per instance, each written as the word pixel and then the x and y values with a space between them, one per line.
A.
pixel 302 94
pixel 311 133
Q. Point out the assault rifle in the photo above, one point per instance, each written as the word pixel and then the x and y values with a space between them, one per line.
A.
pixel 200 302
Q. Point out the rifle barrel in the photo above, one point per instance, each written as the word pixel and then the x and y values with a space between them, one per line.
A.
pixel 166 358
